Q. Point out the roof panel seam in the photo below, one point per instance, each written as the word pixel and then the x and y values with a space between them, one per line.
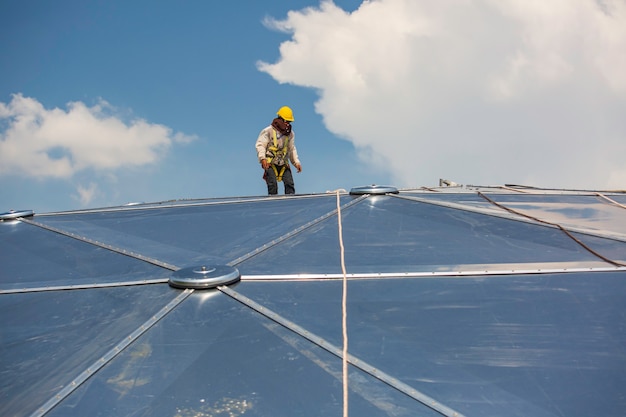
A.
pixel 564 230
pixel 102 245
pixel 354 361
pixel 178 204
pixel 293 232
pixel 110 355
pixel 509 216
pixel 610 201
pixel 432 274
pixel 85 286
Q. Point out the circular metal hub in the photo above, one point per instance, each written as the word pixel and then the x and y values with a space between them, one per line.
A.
pixel 15 214
pixel 204 276
pixel 374 189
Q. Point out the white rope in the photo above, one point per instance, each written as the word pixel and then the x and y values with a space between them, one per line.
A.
pixel 344 314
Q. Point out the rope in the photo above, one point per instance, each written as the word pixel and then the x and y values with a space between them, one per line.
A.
pixel 575 190
pixel 510 210
pixel 335 350
pixel 294 232
pixel 344 313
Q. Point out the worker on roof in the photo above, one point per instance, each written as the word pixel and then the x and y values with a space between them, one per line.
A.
pixel 276 148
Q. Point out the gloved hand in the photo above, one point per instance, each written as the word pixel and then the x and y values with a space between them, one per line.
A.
pixel 298 167
pixel 265 164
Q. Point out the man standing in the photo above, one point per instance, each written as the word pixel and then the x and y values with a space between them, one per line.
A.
pixel 275 148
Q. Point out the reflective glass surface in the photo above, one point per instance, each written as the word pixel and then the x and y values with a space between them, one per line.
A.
pixel 529 345
pixel 212 356
pixel 387 234
pixel 590 212
pixel 34 257
pixel 185 235
pixel 487 329
pixel 49 338
pixel 581 211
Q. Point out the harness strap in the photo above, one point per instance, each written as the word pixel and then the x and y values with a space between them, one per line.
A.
pixel 277 152
pixel 279 175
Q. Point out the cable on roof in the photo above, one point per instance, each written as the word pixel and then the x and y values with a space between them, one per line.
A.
pixel 506 187
pixel 530 187
pixel 574 238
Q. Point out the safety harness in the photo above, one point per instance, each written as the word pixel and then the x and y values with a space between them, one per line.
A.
pixel 274 153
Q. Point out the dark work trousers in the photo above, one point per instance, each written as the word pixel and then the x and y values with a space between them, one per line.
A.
pixel 272 184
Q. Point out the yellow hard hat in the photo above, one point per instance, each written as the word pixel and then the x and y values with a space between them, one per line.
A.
pixel 285 113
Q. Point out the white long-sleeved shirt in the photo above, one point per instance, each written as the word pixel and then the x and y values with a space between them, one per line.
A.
pixel 266 139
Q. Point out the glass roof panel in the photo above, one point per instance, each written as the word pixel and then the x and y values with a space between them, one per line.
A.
pixel 590 212
pixel 185 235
pixel 212 356
pixel 620 198
pixel 387 234
pixel 539 345
pixel 35 257
pixel 464 198
pixel 608 248
pixel 48 338
pixel 581 211
pixel 534 344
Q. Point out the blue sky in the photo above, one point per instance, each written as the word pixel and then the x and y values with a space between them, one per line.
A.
pixel 110 102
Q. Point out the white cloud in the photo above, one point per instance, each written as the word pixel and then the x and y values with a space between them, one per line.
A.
pixel 85 195
pixel 43 143
pixel 481 91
